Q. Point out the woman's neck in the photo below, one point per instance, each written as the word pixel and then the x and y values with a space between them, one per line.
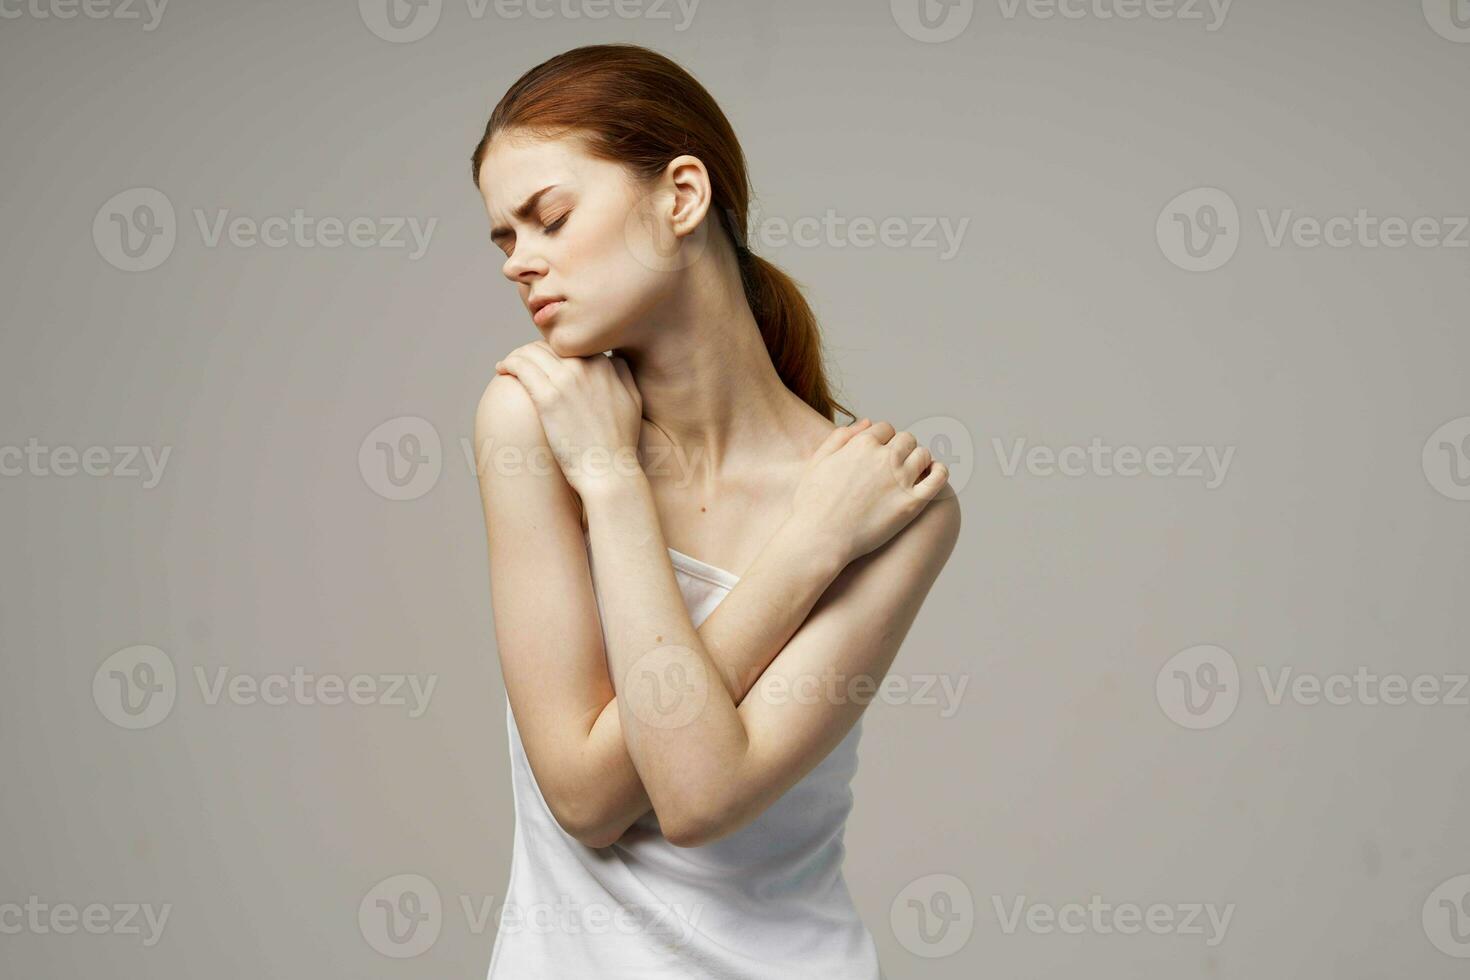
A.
pixel 711 393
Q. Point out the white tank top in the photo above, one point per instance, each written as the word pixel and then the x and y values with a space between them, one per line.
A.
pixel 768 902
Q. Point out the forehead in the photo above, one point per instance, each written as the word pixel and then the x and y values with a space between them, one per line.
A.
pixel 518 165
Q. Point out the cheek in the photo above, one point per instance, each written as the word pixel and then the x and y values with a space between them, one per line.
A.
pixel 607 269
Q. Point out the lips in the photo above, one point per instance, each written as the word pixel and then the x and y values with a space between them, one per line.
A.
pixel 544 310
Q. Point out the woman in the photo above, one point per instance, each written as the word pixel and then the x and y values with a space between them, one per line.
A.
pixel 682 730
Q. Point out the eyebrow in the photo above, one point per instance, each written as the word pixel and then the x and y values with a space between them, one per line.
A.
pixel 523 212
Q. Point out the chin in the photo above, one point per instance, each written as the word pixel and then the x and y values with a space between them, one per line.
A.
pixel 566 341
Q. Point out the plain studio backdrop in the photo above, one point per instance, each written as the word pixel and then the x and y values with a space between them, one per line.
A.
pixel 1179 290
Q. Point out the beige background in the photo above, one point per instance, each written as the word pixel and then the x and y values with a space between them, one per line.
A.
pixel 1335 541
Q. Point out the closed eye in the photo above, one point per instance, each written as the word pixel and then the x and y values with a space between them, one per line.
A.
pixel 550 229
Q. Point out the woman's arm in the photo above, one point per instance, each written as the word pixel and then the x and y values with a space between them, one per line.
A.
pixel 708 765
pixel 746 631
pixel 548 629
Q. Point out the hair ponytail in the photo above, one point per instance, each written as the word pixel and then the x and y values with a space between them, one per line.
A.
pixel 636 107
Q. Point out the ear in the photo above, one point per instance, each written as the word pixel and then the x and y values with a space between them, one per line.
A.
pixel 693 194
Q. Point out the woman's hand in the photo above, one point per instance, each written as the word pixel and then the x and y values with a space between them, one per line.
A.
pixel 863 485
pixel 589 407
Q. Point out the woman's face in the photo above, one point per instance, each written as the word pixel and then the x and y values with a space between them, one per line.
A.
pixel 588 237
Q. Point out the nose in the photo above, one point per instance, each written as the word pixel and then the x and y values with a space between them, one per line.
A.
pixel 523 266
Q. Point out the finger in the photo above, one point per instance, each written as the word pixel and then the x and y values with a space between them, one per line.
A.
pixel 541 354
pixel 531 377
pixel 880 432
pixel 901 445
pixel 835 440
pixel 929 487
pixel 625 374
pixel 914 464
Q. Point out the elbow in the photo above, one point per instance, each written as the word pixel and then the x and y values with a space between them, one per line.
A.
pixel 586 824
pixel 696 829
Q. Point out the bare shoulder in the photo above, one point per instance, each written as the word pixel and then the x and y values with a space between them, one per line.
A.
pixel 920 550
pixel 507 414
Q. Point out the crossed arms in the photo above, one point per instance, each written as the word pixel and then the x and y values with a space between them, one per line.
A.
pixel 600 753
